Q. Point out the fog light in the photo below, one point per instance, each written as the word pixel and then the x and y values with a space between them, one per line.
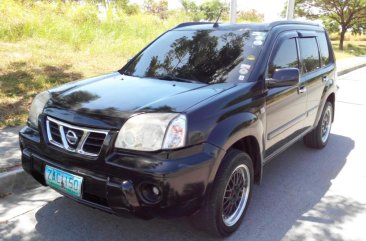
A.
pixel 150 193
pixel 155 190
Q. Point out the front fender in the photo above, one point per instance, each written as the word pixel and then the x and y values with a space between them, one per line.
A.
pixel 232 129
pixel 236 127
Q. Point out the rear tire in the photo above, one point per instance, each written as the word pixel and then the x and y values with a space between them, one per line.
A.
pixel 225 206
pixel 318 138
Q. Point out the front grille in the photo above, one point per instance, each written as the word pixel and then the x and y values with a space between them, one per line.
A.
pixel 55 132
pixel 94 142
pixel 76 139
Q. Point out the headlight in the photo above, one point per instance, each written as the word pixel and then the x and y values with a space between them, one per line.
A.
pixel 37 107
pixel 152 132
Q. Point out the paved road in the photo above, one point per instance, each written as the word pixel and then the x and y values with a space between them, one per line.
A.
pixel 306 194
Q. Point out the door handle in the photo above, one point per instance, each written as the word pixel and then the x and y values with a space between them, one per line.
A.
pixel 302 89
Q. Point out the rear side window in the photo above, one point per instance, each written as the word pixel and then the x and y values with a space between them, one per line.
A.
pixel 309 54
pixel 324 48
pixel 285 57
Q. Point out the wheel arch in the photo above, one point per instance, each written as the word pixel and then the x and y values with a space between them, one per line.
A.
pixel 331 99
pixel 250 145
pixel 243 132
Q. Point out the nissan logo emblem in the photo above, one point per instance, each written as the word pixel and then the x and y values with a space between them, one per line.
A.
pixel 71 137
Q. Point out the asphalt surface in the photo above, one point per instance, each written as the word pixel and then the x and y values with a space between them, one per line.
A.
pixel 305 195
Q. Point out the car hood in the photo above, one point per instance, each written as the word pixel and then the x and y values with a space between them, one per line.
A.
pixel 116 95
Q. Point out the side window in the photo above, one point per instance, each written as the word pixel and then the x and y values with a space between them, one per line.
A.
pixel 309 53
pixel 285 57
pixel 324 48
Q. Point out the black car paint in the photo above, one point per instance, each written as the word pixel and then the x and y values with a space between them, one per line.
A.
pixel 219 116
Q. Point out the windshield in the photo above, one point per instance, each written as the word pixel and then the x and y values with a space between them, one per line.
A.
pixel 208 56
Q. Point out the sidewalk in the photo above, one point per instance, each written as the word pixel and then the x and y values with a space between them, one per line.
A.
pixel 345 66
pixel 14 179
pixel 12 176
pixel 9 150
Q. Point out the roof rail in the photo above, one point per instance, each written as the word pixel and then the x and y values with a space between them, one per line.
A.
pixel 190 24
pixel 284 22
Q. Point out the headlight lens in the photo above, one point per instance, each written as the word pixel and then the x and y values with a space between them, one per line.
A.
pixel 152 132
pixel 37 107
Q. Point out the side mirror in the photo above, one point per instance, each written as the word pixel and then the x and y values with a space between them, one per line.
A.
pixel 284 77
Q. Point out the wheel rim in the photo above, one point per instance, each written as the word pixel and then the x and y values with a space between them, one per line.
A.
pixel 236 195
pixel 326 124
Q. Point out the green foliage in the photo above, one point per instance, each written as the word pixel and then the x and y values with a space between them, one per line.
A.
pixel 346 14
pixel 47 43
pixel 159 8
pixel 126 7
pixel 81 26
pixel 208 10
pixel 132 9
pixel 250 16
pixel 211 9
pixel 192 9
pixel 331 25
pixel 358 50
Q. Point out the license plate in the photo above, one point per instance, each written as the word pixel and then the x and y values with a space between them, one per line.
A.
pixel 63 181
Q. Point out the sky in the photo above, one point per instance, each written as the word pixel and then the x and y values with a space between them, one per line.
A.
pixel 270 8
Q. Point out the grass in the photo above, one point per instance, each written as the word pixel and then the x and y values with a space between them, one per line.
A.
pixel 352 48
pixel 30 66
pixel 45 44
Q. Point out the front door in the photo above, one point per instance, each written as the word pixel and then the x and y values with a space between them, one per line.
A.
pixel 286 106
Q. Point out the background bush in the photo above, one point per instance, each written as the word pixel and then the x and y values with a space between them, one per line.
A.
pixel 82 26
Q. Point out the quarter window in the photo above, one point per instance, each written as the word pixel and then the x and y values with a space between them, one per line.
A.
pixel 324 48
pixel 286 57
pixel 309 54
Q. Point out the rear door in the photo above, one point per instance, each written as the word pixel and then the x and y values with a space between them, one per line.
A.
pixel 314 58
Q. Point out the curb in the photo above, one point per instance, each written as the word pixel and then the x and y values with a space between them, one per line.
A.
pixel 15 181
pixel 346 71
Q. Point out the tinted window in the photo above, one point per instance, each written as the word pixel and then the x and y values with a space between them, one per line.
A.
pixel 209 56
pixel 285 57
pixel 309 54
pixel 324 48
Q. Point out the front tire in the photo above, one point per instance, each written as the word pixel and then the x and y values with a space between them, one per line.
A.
pixel 318 138
pixel 228 200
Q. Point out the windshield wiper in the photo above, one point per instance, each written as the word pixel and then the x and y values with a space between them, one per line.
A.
pixel 174 78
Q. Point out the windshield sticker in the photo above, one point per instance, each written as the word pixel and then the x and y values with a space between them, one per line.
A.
pixel 258 33
pixel 258 43
pixel 245 66
pixel 251 57
pixel 244 69
pixel 259 37
pixel 241 77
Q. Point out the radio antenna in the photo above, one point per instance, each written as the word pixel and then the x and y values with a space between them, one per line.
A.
pixel 216 24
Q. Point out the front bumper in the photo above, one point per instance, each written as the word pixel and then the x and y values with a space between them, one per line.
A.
pixel 114 181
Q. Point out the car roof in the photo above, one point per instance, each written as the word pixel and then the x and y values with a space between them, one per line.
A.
pixel 252 26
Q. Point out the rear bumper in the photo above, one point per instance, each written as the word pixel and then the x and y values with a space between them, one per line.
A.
pixel 114 182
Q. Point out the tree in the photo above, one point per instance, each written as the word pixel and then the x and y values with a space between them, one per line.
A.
pixel 250 16
pixel 192 9
pixel 208 10
pixel 159 8
pixel 211 9
pixel 344 13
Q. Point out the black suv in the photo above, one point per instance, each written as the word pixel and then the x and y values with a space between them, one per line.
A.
pixel 185 126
